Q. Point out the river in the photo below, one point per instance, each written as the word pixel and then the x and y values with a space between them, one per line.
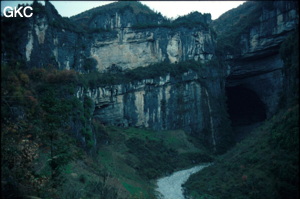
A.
pixel 170 187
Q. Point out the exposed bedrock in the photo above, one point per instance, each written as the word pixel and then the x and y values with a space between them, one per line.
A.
pixel 111 40
pixel 259 66
pixel 263 76
pixel 160 103
pixel 187 102
pixel 126 35
pixel 134 48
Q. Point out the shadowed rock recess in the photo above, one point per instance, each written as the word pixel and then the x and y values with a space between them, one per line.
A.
pixel 135 68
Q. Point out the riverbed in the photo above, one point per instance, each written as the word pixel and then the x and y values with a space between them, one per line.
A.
pixel 170 187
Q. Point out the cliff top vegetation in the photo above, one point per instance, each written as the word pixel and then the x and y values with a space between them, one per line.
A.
pixel 136 7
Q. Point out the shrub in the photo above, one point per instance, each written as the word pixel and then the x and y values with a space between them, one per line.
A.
pixel 96 79
pixel 24 78
pixel 264 165
pixel 37 74
pixel 63 76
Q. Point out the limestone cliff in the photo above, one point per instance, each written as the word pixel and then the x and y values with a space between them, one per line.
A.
pixel 134 48
pixel 123 36
pixel 160 103
pixel 192 101
pixel 113 36
pixel 256 32
pixel 126 35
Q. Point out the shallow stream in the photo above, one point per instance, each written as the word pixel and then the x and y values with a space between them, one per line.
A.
pixel 170 187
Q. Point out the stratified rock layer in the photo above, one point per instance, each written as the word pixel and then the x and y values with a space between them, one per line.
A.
pixel 258 66
pixel 125 35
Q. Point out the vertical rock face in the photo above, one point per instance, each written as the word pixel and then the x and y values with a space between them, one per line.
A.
pixel 187 102
pixel 42 41
pixel 264 77
pixel 141 37
pixel 258 65
pixel 127 36
pixel 131 49
pixel 160 103
pixel 274 23
pixel 135 48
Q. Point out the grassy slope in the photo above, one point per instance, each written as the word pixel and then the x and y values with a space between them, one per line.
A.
pixel 265 165
pixel 127 162
pixel 41 157
pixel 122 167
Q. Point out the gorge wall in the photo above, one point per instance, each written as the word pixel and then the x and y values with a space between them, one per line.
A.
pixel 160 103
pixel 112 37
pixel 126 35
pixel 256 63
pixel 191 101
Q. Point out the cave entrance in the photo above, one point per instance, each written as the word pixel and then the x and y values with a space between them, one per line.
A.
pixel 245 109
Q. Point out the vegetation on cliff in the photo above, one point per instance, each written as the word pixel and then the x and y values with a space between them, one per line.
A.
pixel 264 165
pixel 52 148
pixel 145 17
pixel 120 6
pixel 38 113
pixel 289 52
pixel 233 24
pixel 96 79
pixel 191 20
pixel 140 12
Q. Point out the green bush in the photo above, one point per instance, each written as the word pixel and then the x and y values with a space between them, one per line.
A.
pixel 155 159
pixel 229 38
pixel 289 52
pixel 192 20
pixel 96 79
pixel 265 165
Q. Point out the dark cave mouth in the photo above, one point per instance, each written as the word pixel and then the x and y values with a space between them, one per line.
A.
pixel 244 106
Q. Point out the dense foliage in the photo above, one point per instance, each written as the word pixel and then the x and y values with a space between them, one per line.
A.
pixel 155 159
pixel 52 147
pixel 54 18
pixel 140 11
pixel 95 79
pixel 289 52
pixel 192 20
pixel 48 134
pixel 120 6
pixel 232 25
pixel 145 17
pixel 41 119
pixel 265 165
